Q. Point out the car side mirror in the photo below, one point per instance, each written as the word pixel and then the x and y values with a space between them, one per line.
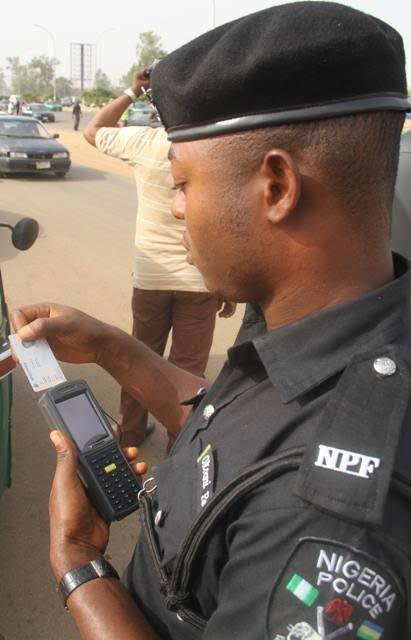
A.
pixel 25 233
pixel 56 135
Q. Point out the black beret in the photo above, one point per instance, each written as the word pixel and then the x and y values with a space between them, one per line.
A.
pixel 290 63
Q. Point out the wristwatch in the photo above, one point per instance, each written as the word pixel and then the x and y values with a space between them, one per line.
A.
pixel 130 93
pixel 84 573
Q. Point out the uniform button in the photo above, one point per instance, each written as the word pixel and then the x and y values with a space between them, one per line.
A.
pixel 385 366
pixel 209 410
pixel 159 518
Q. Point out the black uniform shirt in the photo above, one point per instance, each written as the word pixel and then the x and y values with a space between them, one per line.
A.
pixel 316 554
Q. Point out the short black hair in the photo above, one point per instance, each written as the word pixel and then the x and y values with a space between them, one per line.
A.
pixel 357 154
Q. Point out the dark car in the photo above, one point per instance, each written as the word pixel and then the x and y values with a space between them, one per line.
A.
pixel 39 111
pixel 53 105
pixel 27 147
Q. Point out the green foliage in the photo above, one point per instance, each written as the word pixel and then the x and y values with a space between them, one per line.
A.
pixel 32 97
pixel 98 96
pixel 34 78
pixel 149 48
pixel 4 90
pixel 64 87
pixel 126 80
pixel 102 81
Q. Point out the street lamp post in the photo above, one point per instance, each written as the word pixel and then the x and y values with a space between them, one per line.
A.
pixel 39 26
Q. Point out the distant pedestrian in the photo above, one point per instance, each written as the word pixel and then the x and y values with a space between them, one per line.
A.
pixel 76 114
pixel 10 108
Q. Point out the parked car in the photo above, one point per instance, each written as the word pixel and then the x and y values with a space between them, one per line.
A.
pixel 39 111
pixel 53 106
pixel 24 235
pixel 66 102
pixel 141 114
pixel 27 147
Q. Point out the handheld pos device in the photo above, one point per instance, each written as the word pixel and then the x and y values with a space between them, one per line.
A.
pixel 102 467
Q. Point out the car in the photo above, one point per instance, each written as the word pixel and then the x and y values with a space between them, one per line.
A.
pixel 39 111
pixel 53 106
pixel 141 114
pixel 27 147
pixel 67 102
pixel 24 235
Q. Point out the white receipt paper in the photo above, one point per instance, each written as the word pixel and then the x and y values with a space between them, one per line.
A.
pixel 38 361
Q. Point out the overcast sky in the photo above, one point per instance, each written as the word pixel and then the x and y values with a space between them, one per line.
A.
pixel 115 34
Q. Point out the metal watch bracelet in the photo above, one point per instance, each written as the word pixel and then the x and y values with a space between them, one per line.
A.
pixel 84 573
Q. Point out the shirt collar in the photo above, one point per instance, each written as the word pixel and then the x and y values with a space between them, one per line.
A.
pixel 302 355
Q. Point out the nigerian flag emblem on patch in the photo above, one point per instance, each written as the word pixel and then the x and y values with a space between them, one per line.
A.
pixel 303 590
pixel 370 631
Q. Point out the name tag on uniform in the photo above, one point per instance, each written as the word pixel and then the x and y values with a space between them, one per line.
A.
pixel 205 479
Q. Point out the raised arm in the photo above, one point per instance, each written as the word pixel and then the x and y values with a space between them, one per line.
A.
pixel 109 115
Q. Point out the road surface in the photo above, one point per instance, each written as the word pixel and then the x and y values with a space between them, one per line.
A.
pixel 83 258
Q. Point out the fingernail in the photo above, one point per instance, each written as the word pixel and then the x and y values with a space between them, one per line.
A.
pixel 56 438
pixel 23 334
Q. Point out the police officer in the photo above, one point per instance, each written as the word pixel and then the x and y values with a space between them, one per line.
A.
pixel 283 511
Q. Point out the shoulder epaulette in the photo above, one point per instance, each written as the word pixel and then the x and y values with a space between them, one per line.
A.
pixel 348 468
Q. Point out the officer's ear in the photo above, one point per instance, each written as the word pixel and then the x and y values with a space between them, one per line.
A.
pixel 282 184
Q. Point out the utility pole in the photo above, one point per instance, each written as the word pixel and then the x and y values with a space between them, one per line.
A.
pixel 81 70
pixel 39 26
pixel 81 56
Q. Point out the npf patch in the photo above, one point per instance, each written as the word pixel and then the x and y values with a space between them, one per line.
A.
pixel 331 591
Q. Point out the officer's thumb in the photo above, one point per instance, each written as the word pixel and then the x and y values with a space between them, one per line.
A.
pixel 66 453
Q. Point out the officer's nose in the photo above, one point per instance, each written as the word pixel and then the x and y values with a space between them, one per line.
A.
pixel 178 206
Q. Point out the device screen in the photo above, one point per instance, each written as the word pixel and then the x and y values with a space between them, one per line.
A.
pixel 82 420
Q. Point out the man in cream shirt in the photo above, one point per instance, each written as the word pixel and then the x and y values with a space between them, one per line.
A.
pixel 168 293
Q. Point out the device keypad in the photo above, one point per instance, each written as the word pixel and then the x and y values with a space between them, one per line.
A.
pixel 116 478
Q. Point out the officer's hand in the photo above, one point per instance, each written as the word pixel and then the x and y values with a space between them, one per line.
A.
pixel 141 78
pixel 77 533
pixel 74 336
pixel 226 308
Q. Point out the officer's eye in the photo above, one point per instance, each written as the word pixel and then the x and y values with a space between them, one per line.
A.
pixel 179 186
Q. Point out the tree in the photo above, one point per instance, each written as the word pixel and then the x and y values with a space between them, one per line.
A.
pixel 64 87
pixel 149 48
pixel 42 70
pixel 18 75
pixel 34 78
pixel 102 81
pixel 97 97
pixel 4 90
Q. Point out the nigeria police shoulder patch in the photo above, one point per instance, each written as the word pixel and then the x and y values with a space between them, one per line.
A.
pixel 331 591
